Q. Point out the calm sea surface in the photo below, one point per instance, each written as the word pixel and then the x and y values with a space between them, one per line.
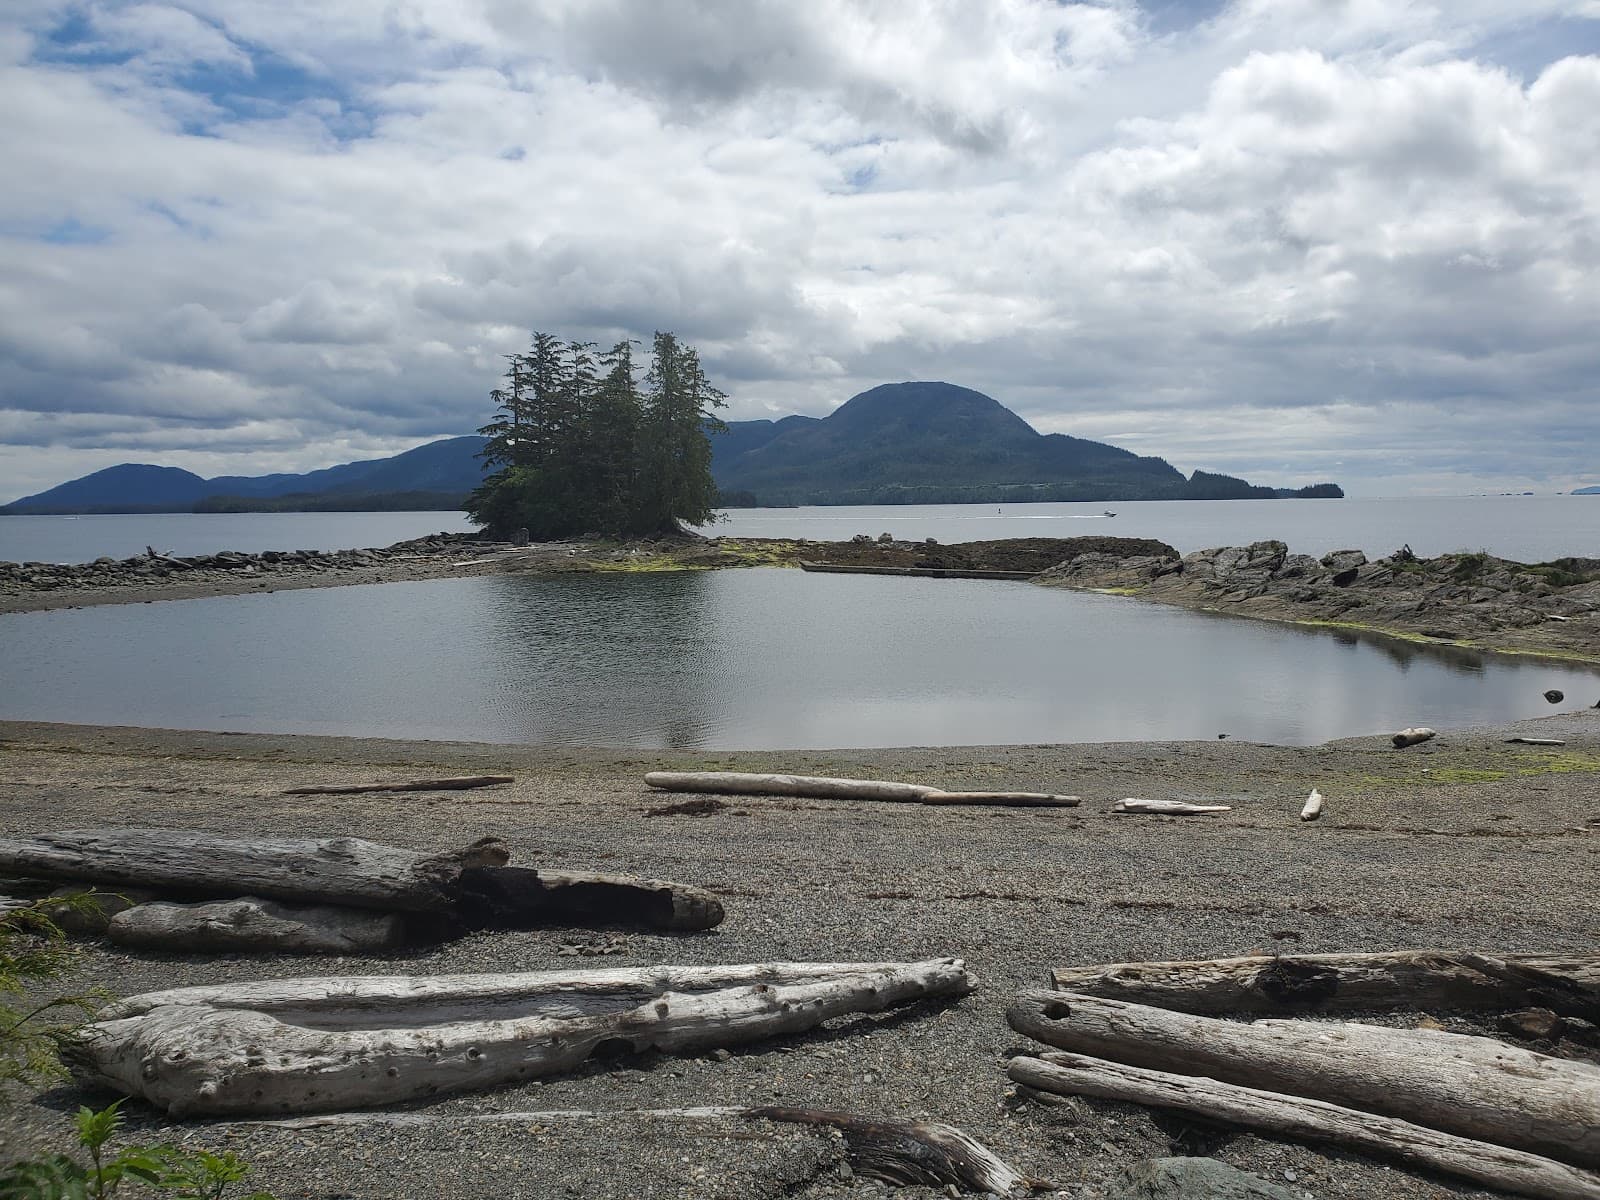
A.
pixel 740 659
pixel 1529 528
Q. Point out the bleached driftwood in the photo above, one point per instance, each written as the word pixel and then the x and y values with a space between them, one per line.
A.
pixel 1170 808
pixel 1312 808
pixel 1331 983
pixel 250 923
pixel 175 563
pixel 521 898
pixel 308 870
pixel 1529 741
pixel 459 783
pixel 308 1045
pixel 905 1153
pixel 1411 737
pixel 1482 1162
pixel 1474 1087
pixel 822 787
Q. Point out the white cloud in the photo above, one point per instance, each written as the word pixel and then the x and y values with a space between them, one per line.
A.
pixel 1298 239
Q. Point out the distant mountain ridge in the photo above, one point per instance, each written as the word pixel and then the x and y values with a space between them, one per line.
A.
pixel 898 443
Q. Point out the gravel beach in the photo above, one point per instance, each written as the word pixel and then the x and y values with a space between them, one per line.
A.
pixel 1464 842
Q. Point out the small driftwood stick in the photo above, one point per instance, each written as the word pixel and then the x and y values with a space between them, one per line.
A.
pixel 350 1052
pixel 523 898
pixel 1528 741
pixel 1482 1162
pixel 1411 737
pixel 460 783
pixel 346 871
pixel 822 787
pixel 1170 808
pixel 904 1153
pixel 250 923
pixel 1312 808
pixel 1434 980
pixel 1475 1087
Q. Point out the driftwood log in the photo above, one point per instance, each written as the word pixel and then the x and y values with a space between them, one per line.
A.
pixel 1412 737
pixel 346 871
pixel 1308 1120
pixel 250 923
pixel 1312 808
pixel 1532 741
pixel 522 898
pixel 1337 983
pixel 822 787
pixel 1170 808
pixel 1474 1087
pixel 459 783
pixel 904 1153
pixel 309 1045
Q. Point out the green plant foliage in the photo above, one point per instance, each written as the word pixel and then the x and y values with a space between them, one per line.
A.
pixel 579 449
pixel 162 1169
pixel 33 951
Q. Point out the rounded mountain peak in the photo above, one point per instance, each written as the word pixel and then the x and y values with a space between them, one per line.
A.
pixel 930 406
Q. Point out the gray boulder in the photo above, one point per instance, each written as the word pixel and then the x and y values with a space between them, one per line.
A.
pixel 1343 560
pixel 1194 1179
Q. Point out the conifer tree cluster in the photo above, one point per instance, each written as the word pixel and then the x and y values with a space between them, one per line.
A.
pixel 578 448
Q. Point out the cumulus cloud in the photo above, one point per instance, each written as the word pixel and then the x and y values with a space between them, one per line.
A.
pixel 1292 240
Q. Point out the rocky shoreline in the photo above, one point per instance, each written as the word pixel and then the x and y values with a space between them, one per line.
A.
pixel 1474 601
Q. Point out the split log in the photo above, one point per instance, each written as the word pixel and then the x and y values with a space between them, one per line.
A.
pixel 175 563
pixel 1312 808
pixel 459 783
pixel 1170 808
pixel 903 1153
pixel 1340 983
pixel 523 898
pixel 1411 737
pixel 1495 1166
pixel 1528 741
pixel 329 870
pixel 353 1051
pixel 822 787
pixel 1475 1087
pixel 250 923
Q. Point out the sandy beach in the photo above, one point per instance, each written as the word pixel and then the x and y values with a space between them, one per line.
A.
pixel 1464 842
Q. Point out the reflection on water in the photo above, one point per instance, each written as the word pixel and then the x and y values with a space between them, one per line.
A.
pixel 741 659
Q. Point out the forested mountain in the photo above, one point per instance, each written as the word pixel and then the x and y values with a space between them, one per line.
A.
pixel 899 443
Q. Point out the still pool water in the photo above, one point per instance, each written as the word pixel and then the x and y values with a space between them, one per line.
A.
pixel 741 659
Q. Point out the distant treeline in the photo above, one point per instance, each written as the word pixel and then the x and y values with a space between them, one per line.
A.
pixel 1203 486
pixel 335 502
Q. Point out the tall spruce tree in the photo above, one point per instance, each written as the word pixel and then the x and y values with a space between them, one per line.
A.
pixel 575 448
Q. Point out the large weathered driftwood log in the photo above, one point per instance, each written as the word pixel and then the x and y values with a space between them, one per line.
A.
pixel 459 783
pixel 521 898
pixel 389 1041
pixel 1312 808
pixel 906 1153
pixel 1475 1087
pixel 1533 741
pixel 1310 1120
pixel 328 870
pixel 1171 808
pixel 822 787
pixel 1333 983
pixel 250 923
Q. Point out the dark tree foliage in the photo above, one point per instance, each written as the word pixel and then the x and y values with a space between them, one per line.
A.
pixel 578 448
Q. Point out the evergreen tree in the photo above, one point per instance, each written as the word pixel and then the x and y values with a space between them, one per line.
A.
pixel 579 450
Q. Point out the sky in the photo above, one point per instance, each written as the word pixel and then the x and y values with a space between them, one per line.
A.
pixel 1291 240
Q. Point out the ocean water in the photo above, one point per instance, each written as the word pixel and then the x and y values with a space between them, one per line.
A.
pixel 742 659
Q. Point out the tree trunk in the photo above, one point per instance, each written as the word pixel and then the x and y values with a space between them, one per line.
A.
pixel 821 787
pixel 1308 1120
pixel 1312 808
pixel 374 1042
pixel 1334 983
pixel 459 783
pixel 1172 808
pixel 1411 737
pixel 251 924
pixel 1475 1087
pixel 1528 741
pixel 523 898
pixel 331 870
pixel 903 1153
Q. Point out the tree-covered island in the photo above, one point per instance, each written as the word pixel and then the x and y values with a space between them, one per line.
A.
pixel 578 448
